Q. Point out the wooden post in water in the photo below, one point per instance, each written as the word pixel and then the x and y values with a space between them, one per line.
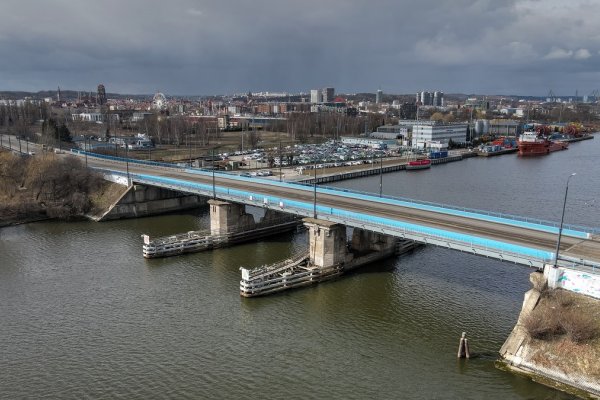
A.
pixel 467 352
pixel 462 346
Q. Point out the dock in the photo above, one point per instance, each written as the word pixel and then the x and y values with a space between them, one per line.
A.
pixel 196 241
pixel 497 153
pixel 341 176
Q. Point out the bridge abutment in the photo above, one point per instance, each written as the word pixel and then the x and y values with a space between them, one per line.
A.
pixel 142 201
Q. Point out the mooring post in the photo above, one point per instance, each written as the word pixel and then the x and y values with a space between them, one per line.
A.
pixel 467 352
pixel 461 345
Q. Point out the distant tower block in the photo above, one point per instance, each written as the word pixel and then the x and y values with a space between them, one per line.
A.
pixel 101 95
pixel 328 94
pixel 378 96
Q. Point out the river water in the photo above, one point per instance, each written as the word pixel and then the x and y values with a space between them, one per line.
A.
pixel 83 315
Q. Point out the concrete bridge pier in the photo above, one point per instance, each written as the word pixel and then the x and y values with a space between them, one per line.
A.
pixel 226 217
pixel 327 242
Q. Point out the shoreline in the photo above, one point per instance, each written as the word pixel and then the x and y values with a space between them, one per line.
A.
pixel 543 360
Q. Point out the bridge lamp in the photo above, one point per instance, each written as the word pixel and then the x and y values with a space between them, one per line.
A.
pixel 213 174
pixel 381 176
pixel 562 218
pixel 127 162
pixel 315 191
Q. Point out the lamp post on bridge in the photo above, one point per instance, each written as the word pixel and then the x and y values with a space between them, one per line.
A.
pixel 213 174
pixel 315 191
pixel 381 176
pixel 127 162
pixel 561 221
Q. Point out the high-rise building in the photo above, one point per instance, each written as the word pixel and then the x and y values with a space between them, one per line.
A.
pixel 101 95
pixel 316 96
pixel 328 94
pixel 438 99
pixel 378 96
pixel 426 99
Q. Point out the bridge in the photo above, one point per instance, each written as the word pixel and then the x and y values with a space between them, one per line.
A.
pixel 520 240
pixel 525 241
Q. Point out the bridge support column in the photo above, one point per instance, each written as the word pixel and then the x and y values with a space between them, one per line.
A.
pixel 364 241
pixel 327 242
pixel 228 217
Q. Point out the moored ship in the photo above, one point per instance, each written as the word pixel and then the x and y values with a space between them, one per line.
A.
pixel 418 164
pixel 532 144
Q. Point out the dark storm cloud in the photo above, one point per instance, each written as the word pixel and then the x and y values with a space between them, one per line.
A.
pixel 200 47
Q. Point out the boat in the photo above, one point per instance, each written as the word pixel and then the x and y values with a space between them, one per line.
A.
pixel 418 164
pixel 533 144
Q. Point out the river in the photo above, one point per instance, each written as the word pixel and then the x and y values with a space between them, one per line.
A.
pixel 83 315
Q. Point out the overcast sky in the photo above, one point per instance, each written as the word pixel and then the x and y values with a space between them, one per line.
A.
pixel 229 46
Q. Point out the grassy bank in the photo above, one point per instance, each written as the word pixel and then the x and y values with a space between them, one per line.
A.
pixel 49 187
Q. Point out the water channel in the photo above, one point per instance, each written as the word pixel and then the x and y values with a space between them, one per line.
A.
pixel 83 315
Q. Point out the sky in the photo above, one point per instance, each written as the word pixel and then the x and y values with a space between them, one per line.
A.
pixel 198 47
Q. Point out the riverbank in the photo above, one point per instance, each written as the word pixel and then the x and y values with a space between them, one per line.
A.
pixel 556 340
pixel 46 187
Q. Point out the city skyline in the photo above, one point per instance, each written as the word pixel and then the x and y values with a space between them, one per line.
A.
pixel 520 47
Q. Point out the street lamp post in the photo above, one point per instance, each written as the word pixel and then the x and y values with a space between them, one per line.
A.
pixel 280 177
pixel 85 149
pixel 127 161
pixel 561 221
pixel 381 176
pixel 315 192
pixel 213 174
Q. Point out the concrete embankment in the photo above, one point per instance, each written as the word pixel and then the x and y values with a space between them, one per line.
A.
pixel 545 344
pixel 141 201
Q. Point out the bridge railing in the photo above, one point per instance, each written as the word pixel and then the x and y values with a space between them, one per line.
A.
pixel 569 229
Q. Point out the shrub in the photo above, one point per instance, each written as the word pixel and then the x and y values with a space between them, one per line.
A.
pixel 580 327
pixel 544 323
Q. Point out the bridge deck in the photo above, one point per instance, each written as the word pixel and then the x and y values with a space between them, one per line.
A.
pixel 364 207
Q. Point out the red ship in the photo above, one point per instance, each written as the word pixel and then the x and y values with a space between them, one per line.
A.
pixel 532 144
pixel 418 164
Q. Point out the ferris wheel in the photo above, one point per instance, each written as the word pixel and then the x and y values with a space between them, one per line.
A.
pixel 159 101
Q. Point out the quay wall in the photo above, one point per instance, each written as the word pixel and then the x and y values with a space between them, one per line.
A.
pixel 373 171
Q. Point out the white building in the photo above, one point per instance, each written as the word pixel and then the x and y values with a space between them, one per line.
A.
pixel 316 96
pixel 432 131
